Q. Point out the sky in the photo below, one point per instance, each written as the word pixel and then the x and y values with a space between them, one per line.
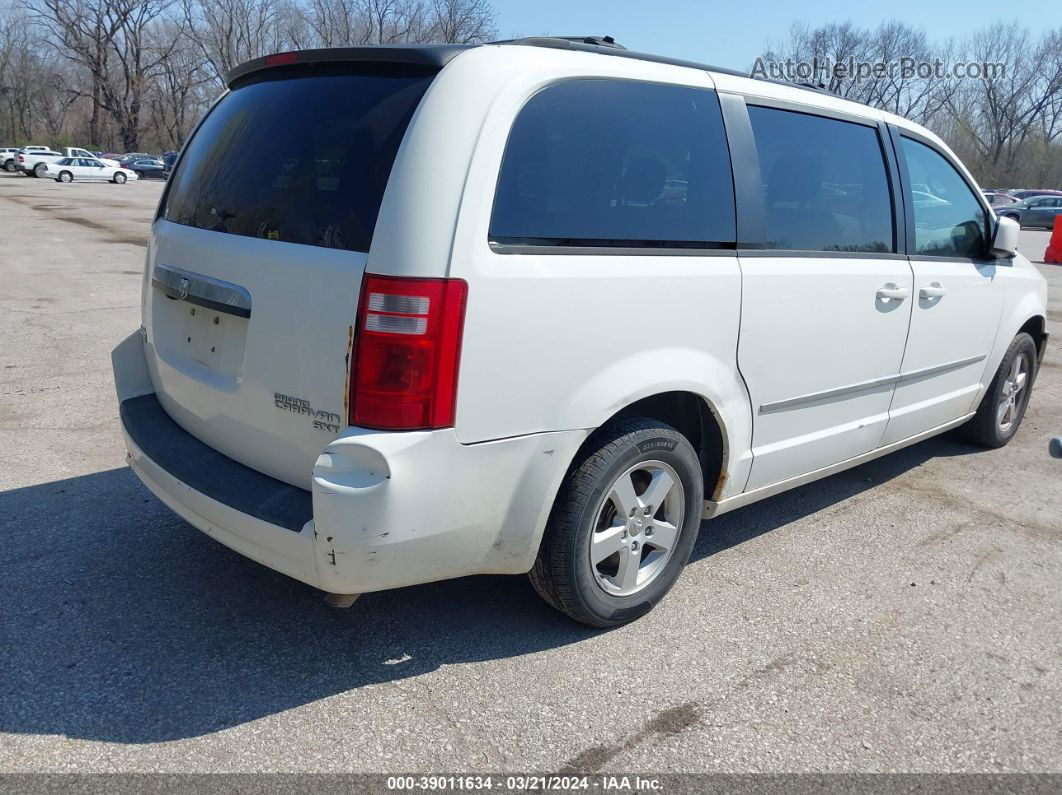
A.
pixel 732 34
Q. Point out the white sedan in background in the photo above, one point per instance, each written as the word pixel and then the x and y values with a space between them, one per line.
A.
pixel 83 168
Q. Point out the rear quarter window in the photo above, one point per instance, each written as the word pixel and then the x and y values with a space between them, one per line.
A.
pixel 600 162
pixel 299 154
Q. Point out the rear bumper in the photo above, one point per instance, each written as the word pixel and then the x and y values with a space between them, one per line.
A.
pixel 285 549
pixel 386 509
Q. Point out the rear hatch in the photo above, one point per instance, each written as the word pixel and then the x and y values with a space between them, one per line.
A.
pixel 258 254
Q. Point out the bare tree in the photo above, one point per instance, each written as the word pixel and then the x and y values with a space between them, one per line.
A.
pixel 999 115
pixel 359 22
pixel 83 31
pixel 462 21
pixel 229 32
pixel 179 93
pixel 1007 126
pixel 19 67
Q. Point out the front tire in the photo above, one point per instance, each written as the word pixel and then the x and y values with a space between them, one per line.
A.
pixel 40 171
pixel 65 176
pixel 1003 407
pixel 623 524
pixel 119 179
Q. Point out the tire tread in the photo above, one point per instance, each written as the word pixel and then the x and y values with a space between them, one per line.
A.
pixel 551 576
pixel 981 429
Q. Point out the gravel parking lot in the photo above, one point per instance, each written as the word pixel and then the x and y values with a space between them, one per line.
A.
pixel 900 616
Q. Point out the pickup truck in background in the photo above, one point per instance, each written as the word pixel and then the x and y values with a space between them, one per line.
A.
pixel 73 151
pixel 9 156
pixel 34 160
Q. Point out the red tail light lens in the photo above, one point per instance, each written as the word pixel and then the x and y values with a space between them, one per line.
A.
pixel 407 351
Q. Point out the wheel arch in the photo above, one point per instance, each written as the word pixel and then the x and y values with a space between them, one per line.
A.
pixel 1036 327
pixel 1025 310
pixel 694 416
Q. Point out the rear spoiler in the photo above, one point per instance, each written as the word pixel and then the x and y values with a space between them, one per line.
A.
pixel 429 55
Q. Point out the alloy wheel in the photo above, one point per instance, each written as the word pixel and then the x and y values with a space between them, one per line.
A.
pixel 637 528
pixel 1013 392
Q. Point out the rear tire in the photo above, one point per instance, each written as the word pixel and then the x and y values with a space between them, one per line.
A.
pixel 65 176
pixel 1003 407
pixel 9 166
pixel 609 554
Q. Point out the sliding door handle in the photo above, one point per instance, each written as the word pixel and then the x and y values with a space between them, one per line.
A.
pixel 893 292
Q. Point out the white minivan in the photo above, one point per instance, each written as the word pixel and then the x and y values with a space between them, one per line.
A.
pixel 543 305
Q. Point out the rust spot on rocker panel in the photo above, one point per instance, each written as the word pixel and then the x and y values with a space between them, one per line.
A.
pixel 719 483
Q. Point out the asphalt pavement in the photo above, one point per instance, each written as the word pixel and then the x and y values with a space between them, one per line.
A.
pixel 901 616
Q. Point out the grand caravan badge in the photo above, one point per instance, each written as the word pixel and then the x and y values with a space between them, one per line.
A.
pixel 322 420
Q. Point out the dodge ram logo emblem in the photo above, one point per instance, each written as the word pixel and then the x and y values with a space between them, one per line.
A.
pixel 182 288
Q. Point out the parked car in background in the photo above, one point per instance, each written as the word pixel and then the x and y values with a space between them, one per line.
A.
pixel 323 377
pixel 70 169
pixel 1028 194
pixel 1036 211
pixel 169 160
pixel 999 199
pixel 147 168
pixel 8 158
pixel 32 161
pixel 73 151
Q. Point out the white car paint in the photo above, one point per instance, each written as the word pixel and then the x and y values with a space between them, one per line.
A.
pixel 73 151
pixel 84 169
pixel 8 158
pixel 809 364
pixel 28 158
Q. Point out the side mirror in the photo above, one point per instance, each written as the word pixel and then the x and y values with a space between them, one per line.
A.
pixel 1005 240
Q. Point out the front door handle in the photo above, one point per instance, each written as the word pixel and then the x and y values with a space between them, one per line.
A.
pixel 934 290
pixel 893 292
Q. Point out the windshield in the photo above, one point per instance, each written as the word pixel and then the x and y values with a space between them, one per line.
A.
pixel 299 155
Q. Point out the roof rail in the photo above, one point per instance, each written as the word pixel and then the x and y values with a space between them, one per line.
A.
pixel 606 45
pixel 555 41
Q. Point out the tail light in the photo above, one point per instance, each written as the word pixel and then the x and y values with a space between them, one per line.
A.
pixel 282 59
pixel 22 158
pixel 407 351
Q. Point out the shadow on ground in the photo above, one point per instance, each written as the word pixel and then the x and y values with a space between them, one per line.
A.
pixel 122 623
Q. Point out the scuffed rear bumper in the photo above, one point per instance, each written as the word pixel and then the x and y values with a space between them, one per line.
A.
pixel 286 550
pixel 386 509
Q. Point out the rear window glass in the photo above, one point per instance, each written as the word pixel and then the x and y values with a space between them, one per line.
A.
pixel 298 156
pixel 594 162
